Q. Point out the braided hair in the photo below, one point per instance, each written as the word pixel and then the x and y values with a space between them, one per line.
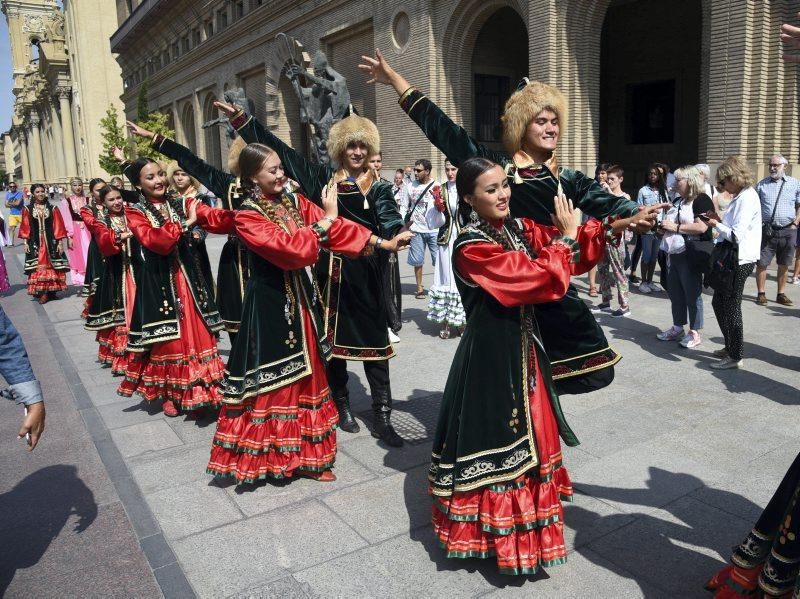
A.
pixel 468 173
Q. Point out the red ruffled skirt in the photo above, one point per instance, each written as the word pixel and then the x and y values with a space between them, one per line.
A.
pixel 45 279
pixel 520 522
pixel 184 371
pixel 277 433
pixel 112 350
pixel 105 354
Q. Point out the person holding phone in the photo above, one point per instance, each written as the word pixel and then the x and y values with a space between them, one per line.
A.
pixel 15 367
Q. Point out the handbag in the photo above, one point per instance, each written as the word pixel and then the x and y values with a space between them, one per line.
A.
pixel 407 218
pixel 767 230
pixel 724 263
pixel 699 254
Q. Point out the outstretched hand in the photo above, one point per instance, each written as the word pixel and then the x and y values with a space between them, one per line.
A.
pixel 228 110
pixel 790 36
pixel 118 154
pixel 398 242
pixel 566 217
pixel 330 201
pixel 379 71
pixel 139 131
pixel 642 221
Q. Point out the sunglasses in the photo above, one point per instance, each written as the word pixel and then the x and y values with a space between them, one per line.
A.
pixel 419 170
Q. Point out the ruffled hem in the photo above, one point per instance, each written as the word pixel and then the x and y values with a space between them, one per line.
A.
pixel 446 306
pixel 46 280
pixel 520 523
pixel 734 582
pixel 120 355
pixel 189 382
pixel 105 354
pixel 134 365
pixel 262 440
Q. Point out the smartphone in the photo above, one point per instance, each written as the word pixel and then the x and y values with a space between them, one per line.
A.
pixel 703 216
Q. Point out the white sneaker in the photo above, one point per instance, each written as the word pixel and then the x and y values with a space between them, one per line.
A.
pixel 727 364
pixel 655 287
pixel 691 340
pixel 671 334
pixel 392 337
pixel 795 281
pixel 645 288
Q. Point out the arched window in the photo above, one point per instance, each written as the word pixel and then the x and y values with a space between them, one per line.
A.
pixel 187 123
pixel 213 147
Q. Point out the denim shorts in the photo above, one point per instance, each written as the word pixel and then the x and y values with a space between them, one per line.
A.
pixel 416 251
pixel 650 243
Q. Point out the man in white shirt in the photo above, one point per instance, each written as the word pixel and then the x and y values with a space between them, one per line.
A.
pixel 418 207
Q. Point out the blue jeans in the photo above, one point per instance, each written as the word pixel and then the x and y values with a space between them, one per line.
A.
pixel 15 365
pixel 650 243
pixel 416 251
pixel 685 289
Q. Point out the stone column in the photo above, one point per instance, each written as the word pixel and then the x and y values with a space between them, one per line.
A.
pixel 67 131
pixel 37 158
pixel 58 141
pixel 24 155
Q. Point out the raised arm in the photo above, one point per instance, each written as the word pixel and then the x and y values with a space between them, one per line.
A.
pixel 387 215
pixel 213 220
pixel 311 177
pixel 451 139
pixel 592 199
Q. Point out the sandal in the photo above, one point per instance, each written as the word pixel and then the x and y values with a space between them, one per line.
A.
pixel 420 294
pixel 444 334
pixel 593 291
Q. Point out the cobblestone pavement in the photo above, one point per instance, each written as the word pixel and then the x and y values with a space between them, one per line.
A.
pixel 676 461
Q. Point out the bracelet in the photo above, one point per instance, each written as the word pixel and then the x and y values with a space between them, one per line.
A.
pixel 406 93
pixel 329 219
pixel 378 242
pixel 322 234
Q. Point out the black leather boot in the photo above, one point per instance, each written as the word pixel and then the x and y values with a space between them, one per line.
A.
pixel 346 421
pixel 382 428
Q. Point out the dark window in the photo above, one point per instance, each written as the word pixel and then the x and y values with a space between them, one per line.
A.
pixel 255 4
pixel 209 29
pixel 491 93
pixel 238 9
pixel 196 37
pixel 185 44
pixel 651 110
pixel 222 19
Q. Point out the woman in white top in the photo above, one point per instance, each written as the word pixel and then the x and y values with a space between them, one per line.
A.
pixel 684 279
pixel 444 300
pixel 741 226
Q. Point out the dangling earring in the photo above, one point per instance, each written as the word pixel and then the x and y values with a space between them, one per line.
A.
pixel 258 195
pixel 473 217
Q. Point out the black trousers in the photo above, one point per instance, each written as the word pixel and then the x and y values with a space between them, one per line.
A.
pixel 728 310
pixel 377 373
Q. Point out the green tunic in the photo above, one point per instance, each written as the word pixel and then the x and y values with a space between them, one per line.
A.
pixel 356 315
pixel 581 357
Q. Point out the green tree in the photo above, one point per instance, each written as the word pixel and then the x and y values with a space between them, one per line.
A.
pixel 142 105
pixel 113 135
pixel 157 123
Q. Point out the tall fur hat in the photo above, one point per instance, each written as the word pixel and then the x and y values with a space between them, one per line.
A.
pixel 171 169
pixel 525 104
pixel 351 129
pixel 237 145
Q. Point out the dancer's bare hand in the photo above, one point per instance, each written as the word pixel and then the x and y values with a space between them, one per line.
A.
pixel 379 71
pixel 118 154
pixel 330 201
pixel 138 131
pixel 566 217
pixel 398 242
pixel 191 217
pixel 790 36
pixel 228 110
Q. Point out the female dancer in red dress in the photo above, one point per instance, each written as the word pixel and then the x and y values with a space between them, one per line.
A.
pixel 175 317
pixel 496 473
pixel 279 419
pixel 43 231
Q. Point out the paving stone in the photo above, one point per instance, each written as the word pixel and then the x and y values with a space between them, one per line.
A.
pixel 677 550
pixel 383 460
pixel 270 495
pixel 386 507
pixel 267 547
pixel 128 412
pixel 191 508
pixel 399 567
pixel 144 438
pixel 285 588
pixel 170 467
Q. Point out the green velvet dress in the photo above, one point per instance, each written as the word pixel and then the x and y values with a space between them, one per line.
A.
pixel 233 273
pixel 356 314
pixel 581 357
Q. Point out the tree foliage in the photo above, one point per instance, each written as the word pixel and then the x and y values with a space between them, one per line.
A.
pixel 157 123
pixel 113 135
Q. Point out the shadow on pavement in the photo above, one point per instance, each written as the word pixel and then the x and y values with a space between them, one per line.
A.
pixel 35 511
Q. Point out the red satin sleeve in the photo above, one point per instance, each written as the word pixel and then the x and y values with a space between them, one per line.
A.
pixel 90 220
pixel 591 239
pixel 512 278
pixel 25 226
pixel 268 240
pixel 344 236
pixel 59 229
pixel 213 220
pixel 161 240
pixel 106 240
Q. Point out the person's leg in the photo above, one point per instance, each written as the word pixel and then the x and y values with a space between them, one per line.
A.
pixel 593 282
pixel 735 322
pixel 433 247
pixel 637 254
pixel 693 285
pixel 12 229
pixel 377 373
pixel 416 256
pixel 767 254
pixel 662 263
pixel 337 380
pixel 677 298
pixel 796 273
pixel 785 254
pixel 616 259
pixel 718 305
pixel 783 271
pixel 761 279
pixel 418 278
pixel 604 275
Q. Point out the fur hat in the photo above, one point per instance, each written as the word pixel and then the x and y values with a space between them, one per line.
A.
pixel 525 104
pixel 172 168
pixel 352 129
pixel 237 145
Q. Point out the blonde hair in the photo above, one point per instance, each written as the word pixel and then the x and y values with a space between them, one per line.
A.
pixel 524 105
pixel 353 129
pixel 694 179
pixel 237 145
pixel 737 171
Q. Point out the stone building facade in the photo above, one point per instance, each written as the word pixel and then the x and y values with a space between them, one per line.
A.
pixel 679 81
pixel 64 80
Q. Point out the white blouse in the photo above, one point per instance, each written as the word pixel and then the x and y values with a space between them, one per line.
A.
pixel 742 224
